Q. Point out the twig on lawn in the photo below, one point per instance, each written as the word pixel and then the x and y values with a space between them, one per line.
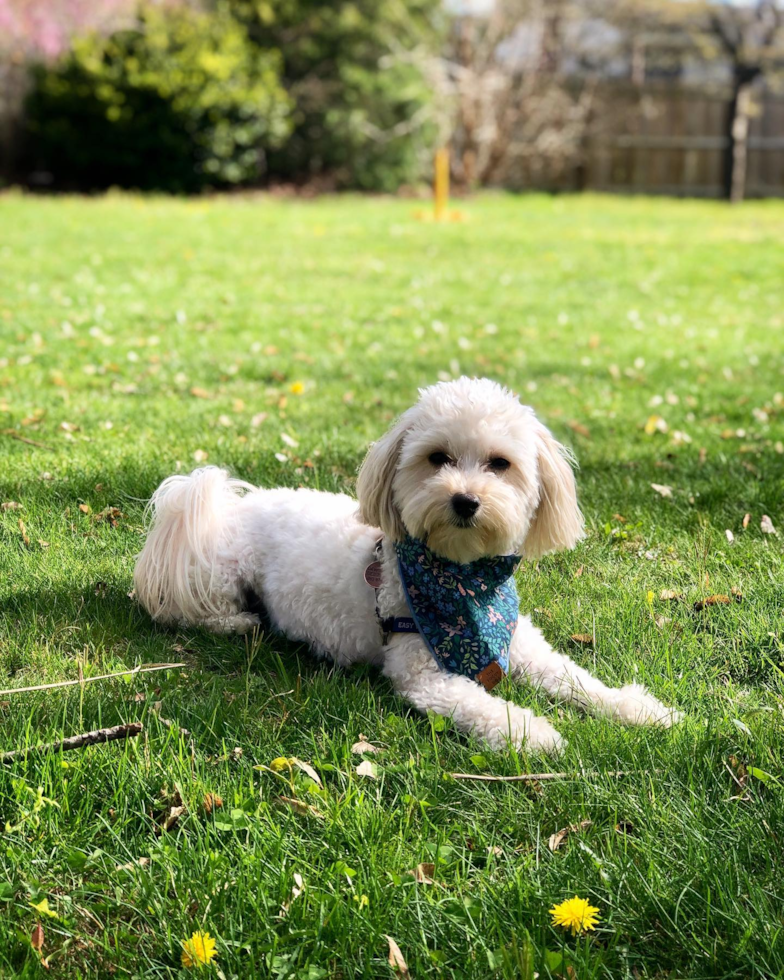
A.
pixel 88 680
pixel 534 777
pixel 30 442
pixel 130 730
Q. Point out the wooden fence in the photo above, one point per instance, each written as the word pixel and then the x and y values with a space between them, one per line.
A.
pixel 668 139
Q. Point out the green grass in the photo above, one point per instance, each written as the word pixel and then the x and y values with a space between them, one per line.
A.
pixel 114 310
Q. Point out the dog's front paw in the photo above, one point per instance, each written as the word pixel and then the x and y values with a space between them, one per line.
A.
pixel 635 706
pixel 522 729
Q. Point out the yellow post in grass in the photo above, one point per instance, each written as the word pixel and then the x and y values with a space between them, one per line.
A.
pixel 441 184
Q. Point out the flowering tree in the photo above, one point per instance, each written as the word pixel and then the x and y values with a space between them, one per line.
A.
pixel 42 30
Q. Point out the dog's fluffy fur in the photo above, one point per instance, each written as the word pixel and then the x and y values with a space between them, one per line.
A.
pixel 215 541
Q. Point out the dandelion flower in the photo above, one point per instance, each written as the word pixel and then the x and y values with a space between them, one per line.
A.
pixel 198 950
pixel 297 388
pixel 575 914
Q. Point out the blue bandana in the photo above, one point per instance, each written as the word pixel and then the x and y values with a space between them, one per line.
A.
pixel 466 614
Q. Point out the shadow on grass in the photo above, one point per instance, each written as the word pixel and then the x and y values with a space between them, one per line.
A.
pixel 720 490
pixel 104 616
pixel 103 624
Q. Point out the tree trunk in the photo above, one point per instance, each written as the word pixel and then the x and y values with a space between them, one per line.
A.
pixel 736 157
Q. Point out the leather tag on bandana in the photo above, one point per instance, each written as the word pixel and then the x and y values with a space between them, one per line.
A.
pixel 491 675
pixel 373 575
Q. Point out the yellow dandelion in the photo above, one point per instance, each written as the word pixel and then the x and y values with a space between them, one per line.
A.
pixel 198 950
pixel 575 914
pixel 297 388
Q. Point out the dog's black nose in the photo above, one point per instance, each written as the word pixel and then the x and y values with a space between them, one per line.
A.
pixel 465 505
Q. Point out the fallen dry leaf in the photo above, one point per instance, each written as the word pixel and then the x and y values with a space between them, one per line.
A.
pixel 670 595
pixel 111 515
pixel 560 836
pixel 172 817
pixel 200 456
pixel 200 393
pixel 740 777
pixel 423 873
pixel 37 937
pixel 142 862
pixel 366 768
pixel 396 960
pixel 730 535
pixel 300 808
pixel 296 891
pixel 11 505
pixel 212 802
pixel 581 638
pixel 746 519
pixel 766 525
pixel 662 489
pixel 307 769
pixel 712 600
pixel 579 428
pixel 84 508
pixel 364 746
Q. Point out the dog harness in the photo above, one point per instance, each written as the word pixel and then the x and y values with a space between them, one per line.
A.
pixel 466 614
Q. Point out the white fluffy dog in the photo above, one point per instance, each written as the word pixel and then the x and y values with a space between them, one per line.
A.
pixel 219 547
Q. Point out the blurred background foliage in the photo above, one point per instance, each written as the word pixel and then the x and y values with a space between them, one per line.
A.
pixel 648 96
pixel 181 99
pixel 357 76
pixel 288 89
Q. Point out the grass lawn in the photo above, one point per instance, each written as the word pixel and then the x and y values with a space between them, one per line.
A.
pixel 279 338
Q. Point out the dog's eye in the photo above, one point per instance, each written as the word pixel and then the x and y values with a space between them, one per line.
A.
pixel 498 464
pixel 439 459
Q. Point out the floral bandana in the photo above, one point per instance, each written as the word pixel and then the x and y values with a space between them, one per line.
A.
pixel 466 614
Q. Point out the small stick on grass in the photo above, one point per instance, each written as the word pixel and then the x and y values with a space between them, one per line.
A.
pixel 533 777
pixel 89 680
pixel 130 730
pixel 30 442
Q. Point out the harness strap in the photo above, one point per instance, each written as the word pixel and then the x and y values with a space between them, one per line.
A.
pixel 388 624
pixel 399 624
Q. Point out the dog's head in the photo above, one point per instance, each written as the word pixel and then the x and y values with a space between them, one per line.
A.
pixel 473 473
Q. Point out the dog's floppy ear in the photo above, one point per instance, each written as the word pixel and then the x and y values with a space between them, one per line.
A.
pixel 374 481
pixel 557 523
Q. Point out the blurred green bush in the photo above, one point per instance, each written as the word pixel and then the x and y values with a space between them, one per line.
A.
pixel 286 89
pixel 357 73
pixel 181 101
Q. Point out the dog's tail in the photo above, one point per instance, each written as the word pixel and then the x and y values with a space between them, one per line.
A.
pixel 186 571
